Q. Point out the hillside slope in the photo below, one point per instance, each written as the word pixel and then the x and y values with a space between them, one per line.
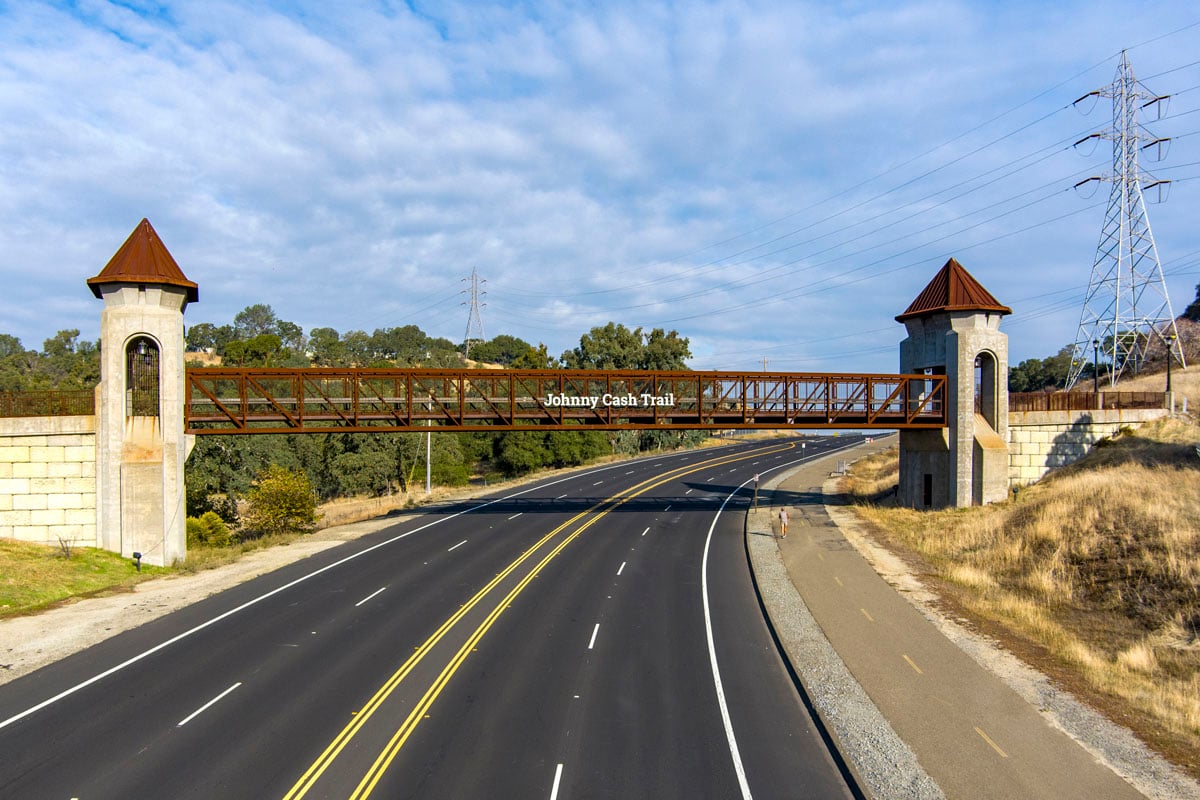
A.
pixel 1093 575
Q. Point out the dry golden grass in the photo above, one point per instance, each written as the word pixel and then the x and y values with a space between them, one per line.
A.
pixel 1184 383
pixel 1097 565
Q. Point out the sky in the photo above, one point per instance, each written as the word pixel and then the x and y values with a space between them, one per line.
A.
pixel 774 180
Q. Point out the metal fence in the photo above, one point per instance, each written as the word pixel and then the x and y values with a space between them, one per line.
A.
pixel 47 404
pixel 1084 401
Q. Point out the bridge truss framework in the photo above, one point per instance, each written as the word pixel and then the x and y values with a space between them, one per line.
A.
pixel 229 400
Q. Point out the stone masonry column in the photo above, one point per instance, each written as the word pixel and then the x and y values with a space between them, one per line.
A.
pixel 954 330
pixel 140 444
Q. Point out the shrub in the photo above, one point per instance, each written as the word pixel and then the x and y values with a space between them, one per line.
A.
pixel 282 501
pixel 207 529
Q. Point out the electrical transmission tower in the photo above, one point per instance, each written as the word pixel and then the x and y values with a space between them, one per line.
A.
pixel 1126 307
pixel 474 333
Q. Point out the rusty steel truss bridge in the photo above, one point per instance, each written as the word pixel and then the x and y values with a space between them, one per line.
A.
pixel 231 400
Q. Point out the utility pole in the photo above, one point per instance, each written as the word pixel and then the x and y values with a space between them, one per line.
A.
pixel 474 318
pixel 429 450
pixel 764 363
pixel 1126 305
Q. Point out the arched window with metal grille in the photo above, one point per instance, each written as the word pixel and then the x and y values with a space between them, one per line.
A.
pixel 141 377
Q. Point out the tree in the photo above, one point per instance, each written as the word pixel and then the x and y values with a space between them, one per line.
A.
pixel 1037 375
pixel 255 320
pixel 612 347
pixel 534 358
pixel 1192 312
pixel 201 337
pixel 503 349
pixel 66 363
pixel 258 351
pixel 10 346
pixel 665 351
pixel 326 348
pixel 405 345
pixel 616 347
pixel 518 452
pixel 369 473
pixel 358 348
pixel 282 501
pixel 291 334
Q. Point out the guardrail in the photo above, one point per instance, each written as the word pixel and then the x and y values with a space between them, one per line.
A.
pixel 48 404
pixel 1084 401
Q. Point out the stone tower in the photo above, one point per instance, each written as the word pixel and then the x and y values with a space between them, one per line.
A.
pixel 954 330
pixel 140 443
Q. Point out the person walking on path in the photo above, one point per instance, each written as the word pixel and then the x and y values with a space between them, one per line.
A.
pixel 783 520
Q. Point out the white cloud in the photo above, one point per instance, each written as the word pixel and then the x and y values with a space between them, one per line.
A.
pixel 593 163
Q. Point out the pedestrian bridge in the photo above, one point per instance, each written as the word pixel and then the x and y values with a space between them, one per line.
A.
pixel 322 400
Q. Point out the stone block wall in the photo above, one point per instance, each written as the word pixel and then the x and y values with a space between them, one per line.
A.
pixel 48 480
pixel 1039 441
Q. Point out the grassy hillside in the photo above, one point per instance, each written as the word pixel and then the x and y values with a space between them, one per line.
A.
pixel 1093 575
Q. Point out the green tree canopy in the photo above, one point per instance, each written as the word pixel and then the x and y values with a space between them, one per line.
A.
pixel 1038 374
pixel 10 346
pixel 1192 312
pixel 255 320
pixel 503 349
pixel 326 348
pixel 616 347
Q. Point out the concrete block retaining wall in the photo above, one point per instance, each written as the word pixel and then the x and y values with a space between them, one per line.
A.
pixel 48 480
pixel 1039 441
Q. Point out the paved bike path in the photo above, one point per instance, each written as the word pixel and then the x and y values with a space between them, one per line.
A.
pixel 971 733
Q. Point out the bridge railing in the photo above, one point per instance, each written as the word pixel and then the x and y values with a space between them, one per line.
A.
pixel 48 404
pixel 320 400
pixel 1084 401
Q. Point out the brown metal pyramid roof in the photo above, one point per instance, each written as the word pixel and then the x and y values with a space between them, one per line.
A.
pixel 953 289
pixel 144 259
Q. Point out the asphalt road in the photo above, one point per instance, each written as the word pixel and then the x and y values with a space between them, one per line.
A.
pixel 596 635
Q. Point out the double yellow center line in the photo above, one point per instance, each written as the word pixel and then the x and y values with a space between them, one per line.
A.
pixel 379 767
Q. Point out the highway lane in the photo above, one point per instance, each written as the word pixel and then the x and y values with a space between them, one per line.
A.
pixel 608 691
pixel 262 693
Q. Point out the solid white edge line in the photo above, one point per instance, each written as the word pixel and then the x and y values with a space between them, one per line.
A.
pixel 178 637
pixel 712 655
pixel 595 630
pixel 368 597
pixel 734 753
pixel 621 568
pixel 206 706
pixel 557 778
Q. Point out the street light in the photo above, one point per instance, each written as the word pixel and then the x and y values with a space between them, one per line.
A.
pixel 1095 366
pixel 1170 339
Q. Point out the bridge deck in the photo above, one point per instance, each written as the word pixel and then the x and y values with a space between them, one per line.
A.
pixel 226 400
